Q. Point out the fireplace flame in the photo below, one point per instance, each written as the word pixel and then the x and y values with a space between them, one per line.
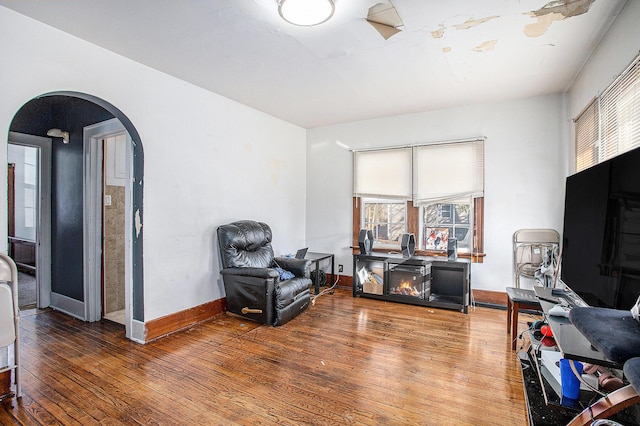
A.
pixel 405 285
pixel 405 288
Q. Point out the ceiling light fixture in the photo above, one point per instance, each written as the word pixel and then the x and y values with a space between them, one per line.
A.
pixel 306 13
pixel 57 133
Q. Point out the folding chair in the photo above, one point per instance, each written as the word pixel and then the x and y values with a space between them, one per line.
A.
pixel 531 249
pixel 10 319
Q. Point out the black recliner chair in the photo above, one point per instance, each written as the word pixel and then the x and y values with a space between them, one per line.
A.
pixel 259 286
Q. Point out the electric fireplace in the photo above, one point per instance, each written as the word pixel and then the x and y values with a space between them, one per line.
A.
pixel 409 280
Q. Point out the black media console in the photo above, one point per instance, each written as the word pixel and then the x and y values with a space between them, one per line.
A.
pixel 423 281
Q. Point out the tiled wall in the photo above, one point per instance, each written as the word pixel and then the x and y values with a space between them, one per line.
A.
pixel 114 249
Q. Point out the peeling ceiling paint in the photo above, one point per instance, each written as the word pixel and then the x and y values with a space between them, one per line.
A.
pixel 486 46
pixel 138 223
pixel 470 23
pixel 566 8
pixel 542 24
pixel 438 33
pixel 555 11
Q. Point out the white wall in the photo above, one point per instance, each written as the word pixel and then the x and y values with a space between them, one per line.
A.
pixel 524 173
pixel 615 52
pixel 208 160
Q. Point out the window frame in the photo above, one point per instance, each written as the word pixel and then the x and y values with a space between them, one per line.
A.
pixel 453 224
pixel 468 186
pixel 367 200
pixel 413 227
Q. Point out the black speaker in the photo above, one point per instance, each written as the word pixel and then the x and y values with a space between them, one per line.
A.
pixel 408 245
pixel 452 249
pixel 365 241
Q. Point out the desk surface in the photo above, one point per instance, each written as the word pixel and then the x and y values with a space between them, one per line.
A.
pixel 570 341
pixel 317 256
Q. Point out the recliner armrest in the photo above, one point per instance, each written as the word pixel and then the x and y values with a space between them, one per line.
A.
pixel 251 272
pixel 299 267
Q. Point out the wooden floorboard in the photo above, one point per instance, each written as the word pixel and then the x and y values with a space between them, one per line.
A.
pixel 344 361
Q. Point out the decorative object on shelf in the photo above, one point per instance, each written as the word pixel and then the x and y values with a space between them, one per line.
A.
pixel 437 238
pixel 408 245
pixel 365 241
pixel 452 249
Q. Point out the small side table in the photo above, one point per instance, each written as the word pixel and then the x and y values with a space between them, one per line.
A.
pixel 519 298
pixel 317 258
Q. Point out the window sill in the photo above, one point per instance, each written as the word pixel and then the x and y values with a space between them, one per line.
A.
pixel 475 257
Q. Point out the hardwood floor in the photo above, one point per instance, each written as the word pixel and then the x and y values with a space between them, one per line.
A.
pixel 344 361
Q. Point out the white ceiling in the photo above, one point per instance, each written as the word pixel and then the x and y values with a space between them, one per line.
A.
pixel 450 53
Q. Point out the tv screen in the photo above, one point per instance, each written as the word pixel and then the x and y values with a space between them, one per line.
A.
pixel 601 233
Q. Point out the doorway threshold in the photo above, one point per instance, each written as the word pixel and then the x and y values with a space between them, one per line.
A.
pixel 116 316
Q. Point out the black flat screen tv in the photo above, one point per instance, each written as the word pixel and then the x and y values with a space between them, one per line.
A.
pixel 601 235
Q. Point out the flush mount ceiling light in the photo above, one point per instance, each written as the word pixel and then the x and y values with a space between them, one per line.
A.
pixel 306 13
pixel 57 133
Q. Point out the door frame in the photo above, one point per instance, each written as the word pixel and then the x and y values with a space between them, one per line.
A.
pixel 43 225
pixel 92 212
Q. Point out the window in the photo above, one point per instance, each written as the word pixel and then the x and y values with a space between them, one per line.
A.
pixel 385 219
pixel 452 220
pixel 432 191
pixel 610 124
pixel 26 183
pixel 30 186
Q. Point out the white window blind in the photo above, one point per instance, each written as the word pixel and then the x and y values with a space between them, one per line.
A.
pixel 382 173
pixel 611 124
pixel 620 113
pixel 449 172
pixel 587 138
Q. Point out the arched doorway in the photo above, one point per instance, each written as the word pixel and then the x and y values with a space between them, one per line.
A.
pixel 72 245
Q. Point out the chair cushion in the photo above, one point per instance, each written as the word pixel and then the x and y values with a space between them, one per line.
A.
pixel 245 244
pixel 292 310
pixel 290 290
pixel 614 332
pixel 632 372
pixel 299 267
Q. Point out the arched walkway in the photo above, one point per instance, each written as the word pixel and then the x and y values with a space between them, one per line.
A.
pixel 73 111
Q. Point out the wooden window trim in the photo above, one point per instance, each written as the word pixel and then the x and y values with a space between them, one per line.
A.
pixel 413 224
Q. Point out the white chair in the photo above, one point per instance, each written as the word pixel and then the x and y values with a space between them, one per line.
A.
pixel 10 317
pixel 529 249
